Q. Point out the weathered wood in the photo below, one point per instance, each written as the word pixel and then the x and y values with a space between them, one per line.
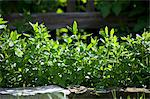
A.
pixel 86 20
pixel 71 5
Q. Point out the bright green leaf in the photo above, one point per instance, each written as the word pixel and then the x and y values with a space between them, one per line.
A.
pixel 13 35
pixel 27 35
pixel 18 52
pixel 63 30
pixel 89 46
pixel 106 31
pixel 59 11
pixel 75 28
pixel 112 32
pixel 84 1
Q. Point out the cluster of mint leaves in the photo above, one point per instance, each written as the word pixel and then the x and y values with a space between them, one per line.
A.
pixel 36 59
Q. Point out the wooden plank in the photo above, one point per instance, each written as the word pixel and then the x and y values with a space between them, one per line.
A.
pixel 71 5
pixel 86 20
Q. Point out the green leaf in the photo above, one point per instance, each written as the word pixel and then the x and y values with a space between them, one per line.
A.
pixel 84 1
pixel 93 41
pixel 27 35
pixel 123 38
pixel 11 44
pixel 18 52
pixel 89 46
pixel 141 24
pixel 112 32
pixel 128 97
pixel 63 30
pixel 116 8
pixel 69 40
pixel 2 21
pixel 62 1
pixel 35 26
pixel 19 69
pixel 59 11
pixel 85 36
pixel 14 35
pixel 105 9
pixel 2 26
pixel 106 31
pixel 75 28
pixel 101 32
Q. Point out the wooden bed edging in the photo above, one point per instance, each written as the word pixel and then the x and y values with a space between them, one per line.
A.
pixel 86 20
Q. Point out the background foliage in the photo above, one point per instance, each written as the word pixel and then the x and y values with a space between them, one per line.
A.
pixel 132 9
pixel 137 11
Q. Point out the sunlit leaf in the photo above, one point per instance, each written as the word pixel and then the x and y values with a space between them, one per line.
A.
pixel 18 52
pixel 112 32
pixel 2 26
pixel 89 46
pixel 106 30
pixel 75 28
pixel 59 11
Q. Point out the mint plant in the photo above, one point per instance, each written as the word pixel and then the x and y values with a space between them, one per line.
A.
pixel 34 59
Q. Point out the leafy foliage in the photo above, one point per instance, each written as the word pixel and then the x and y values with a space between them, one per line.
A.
pixel 137 10
pixel 32 6
pixel 35 60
